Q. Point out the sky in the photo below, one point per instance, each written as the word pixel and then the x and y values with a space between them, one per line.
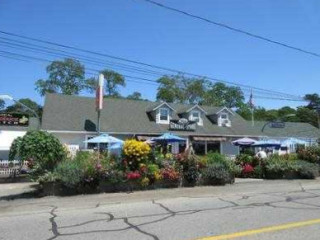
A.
pixel 137 30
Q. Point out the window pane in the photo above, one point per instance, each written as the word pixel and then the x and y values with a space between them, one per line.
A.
pixel 163 114
pixel 224 116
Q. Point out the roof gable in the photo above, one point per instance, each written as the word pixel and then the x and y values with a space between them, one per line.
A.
pixel 155 106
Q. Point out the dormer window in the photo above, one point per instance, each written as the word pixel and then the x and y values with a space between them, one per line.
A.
pixel 164 115
pixel 224 120
pixel 224 116
pixel 196 116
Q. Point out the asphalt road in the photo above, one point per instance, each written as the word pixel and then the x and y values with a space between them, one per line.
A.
pixel 254 210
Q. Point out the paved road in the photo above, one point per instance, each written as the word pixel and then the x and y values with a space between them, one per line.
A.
pixel 252 210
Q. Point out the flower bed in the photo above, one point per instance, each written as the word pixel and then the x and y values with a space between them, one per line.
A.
pixel 139 168
pixel 288 166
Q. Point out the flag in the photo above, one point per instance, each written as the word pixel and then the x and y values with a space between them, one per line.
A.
pixel 251 103
pixel 99 93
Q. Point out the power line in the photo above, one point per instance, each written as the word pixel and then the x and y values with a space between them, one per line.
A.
pixel 147 64
pixel 238 30
pixel 135 79
pixel 94 61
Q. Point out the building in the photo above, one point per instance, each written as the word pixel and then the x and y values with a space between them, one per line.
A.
pixel 73 120
pixel 11 128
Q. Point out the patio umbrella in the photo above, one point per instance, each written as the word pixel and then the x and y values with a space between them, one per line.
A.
pixel 104 138
pixel 293 141
pixel 244 142
pixel 168 138
pixel 267 143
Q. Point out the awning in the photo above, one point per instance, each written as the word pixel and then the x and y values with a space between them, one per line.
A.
pixel 210 139
pixel 144 137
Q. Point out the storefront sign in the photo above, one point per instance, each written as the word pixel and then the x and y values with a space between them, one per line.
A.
pixel 14 119
pixel 182 125
pixel 277 125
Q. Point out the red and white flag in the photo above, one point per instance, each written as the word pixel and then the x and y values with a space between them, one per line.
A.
pixel 99 93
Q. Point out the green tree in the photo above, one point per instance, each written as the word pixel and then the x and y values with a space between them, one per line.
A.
pixel 244 111
pixel 16 107
pixel 65 76
pixel 135 96
pixel 307 115
pixel 171 89
pixel 112 82
pixel 313 99
pixel 222 95
pixel 41 147
pixel 195 90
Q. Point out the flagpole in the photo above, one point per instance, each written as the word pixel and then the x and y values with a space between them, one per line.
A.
pixel 99 104
pixel 252 108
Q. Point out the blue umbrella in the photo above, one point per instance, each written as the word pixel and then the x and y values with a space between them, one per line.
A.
pixel 169 138
pixel 267 143
pixel 104 138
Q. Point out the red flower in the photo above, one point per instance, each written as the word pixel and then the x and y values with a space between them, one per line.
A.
pixel 247 168
pixel 133 175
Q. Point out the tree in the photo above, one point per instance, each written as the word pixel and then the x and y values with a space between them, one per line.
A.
pixel 112 81
pixel 135 96
pixel 170 89
pixel 65 76
pixel 16 107
pixel 313 99
pixel 307 115
pixel 222 95
pixel 41 147
pixel 195 90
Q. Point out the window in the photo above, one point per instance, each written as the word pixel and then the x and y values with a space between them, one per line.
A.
pixel 164 115
pixel 196 116
pixel 224 116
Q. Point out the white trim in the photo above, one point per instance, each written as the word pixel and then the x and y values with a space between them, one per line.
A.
pixel 191 117
pixel 168 116
pixel 225 108
pixel 159 133
pixel 196 106
pixel 160 105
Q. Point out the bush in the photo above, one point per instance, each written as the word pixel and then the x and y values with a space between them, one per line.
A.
pixel 216 174
pixel 69 173
pixel 135 152
pixel 39 147
pixel 243 159
pixel 307 170
pixel 309 154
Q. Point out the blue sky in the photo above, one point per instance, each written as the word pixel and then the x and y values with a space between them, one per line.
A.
pixel 137 30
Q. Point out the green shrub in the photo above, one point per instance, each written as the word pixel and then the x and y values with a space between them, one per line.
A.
pixel 243 159
pixel 309 154
pixel 70 173
pixel 40 147
pixel 216 174
pixel 307 170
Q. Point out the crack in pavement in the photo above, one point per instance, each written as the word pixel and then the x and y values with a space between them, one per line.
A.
pixel 139 229
pixel 54 226
pixel 169 213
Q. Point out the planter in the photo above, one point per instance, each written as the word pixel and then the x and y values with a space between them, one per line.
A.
pixel 274 175
pixel 166 183
pixel 57 189
pixel 291 175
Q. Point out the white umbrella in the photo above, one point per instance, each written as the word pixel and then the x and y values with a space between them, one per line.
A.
pixel 244 142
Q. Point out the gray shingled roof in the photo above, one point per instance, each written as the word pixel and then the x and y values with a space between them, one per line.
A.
pixel 291 129
pixel 74 113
